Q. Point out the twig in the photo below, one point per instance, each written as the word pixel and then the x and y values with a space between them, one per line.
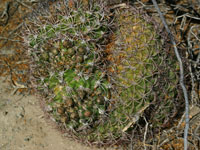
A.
pixel 122 5
pixel 5 14
pixel 16 85
pixel 145 134
pixel 136 117
pixel 24 4
pixel 18 27
pixel 194 95
pixel 181 75
pixel 8 39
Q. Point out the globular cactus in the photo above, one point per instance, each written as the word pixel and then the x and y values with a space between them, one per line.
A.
pixel 144 79
pixel 66 55
pixel 143 76
pixel 100 72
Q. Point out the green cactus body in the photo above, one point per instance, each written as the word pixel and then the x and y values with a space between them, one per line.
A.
pixel 73 78
pixel 137 64
pixel 72 69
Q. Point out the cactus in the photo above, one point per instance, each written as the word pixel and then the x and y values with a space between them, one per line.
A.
pixel 95 84
pixel 67 60
pixel 141 75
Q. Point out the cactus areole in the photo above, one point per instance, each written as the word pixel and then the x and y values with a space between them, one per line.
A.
pixel 100 73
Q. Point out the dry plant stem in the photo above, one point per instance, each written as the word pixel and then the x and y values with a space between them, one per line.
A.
pixel 15 85
pixel 190 49
pixel 8 39
pixel 181 75
pixel 24 4
pixel 11 33
pixel 194 96
pixel 145 134
pixel 5 12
